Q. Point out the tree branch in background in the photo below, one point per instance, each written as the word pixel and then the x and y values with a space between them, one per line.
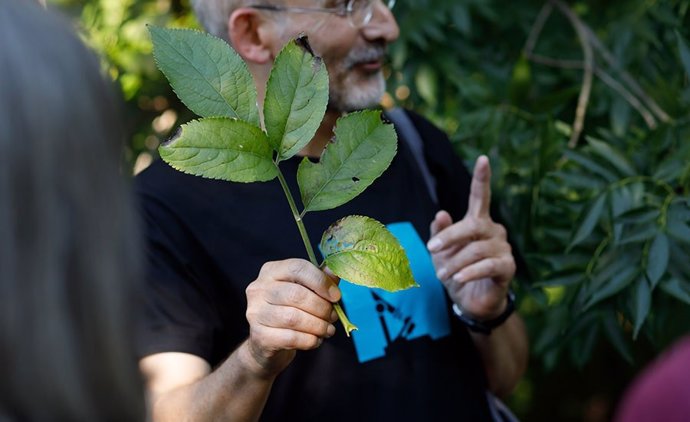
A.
pixel 538 26
pixel 588 74
pixel 616 65
pixel 635 96
pixel 605 78
pixel 627 95
pixel 560 63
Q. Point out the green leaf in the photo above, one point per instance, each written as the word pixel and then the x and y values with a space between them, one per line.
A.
pixel 426 82
pixel 642 303
pixel 640 233
pixel 638 215
pixel 362 150
pixel 460 17
pixel 657 260
pixel 567 279
pixel 220 148
pixel 617 283
pixel 591 165
pixel 361 250
pixel 677 289
pixel 296 98
pixel 613 156
pixel 615 336
pixel 209 77
pixel 590 221
pixel 684 53
pixel 679 211
pixel 579 180
pixel 679 230
pixel 584 345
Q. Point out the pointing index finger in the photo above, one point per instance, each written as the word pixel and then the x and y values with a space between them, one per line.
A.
pixel 480 190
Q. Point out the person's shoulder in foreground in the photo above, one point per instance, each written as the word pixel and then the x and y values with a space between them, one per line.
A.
pixel 662 391
pixel 68 245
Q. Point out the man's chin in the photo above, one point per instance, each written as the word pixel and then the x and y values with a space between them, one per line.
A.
pixel 351 106
pixel 366 94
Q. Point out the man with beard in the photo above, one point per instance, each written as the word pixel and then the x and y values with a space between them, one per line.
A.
pixel 220 343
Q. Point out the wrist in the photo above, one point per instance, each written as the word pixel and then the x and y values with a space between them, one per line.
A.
pixel 486 325
pixel 252 364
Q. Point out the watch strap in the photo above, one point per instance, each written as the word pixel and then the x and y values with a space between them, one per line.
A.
pixel 485 327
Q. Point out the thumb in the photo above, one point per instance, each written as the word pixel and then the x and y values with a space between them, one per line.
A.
pixel 440 222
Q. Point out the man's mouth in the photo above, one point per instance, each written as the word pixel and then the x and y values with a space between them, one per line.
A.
pixel 368 60
pixel 370 66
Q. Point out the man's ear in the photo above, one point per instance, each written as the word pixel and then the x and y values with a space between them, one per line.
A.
pixel 252 35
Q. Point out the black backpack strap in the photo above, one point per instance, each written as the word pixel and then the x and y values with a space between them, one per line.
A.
pixel 408 132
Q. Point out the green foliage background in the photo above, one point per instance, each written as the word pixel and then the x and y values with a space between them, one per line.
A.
pixel 601 212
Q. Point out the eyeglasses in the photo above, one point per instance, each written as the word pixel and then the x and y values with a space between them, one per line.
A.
pixel 358 12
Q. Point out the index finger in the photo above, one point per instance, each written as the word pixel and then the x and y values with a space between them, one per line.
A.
pixel 480 190
pixel 303 272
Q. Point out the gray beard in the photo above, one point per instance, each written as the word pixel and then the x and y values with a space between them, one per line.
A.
pixel 357 98
pixel 349 97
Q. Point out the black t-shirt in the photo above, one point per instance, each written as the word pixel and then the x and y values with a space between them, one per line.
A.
pixel 410 360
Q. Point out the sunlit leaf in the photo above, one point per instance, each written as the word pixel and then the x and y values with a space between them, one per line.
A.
pixel 296 98
pixel 362 150
pixel 657 260
pixel 209 77
pixel 362 250
pixel 426 82
pixel 220 148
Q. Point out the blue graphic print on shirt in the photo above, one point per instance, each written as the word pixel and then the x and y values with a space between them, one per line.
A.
pixel 384 318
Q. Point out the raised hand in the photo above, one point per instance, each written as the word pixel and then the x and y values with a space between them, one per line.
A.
pixel 289 308
pixel 472 257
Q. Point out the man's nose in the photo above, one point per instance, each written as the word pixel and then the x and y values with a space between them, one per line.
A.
pixel 382 24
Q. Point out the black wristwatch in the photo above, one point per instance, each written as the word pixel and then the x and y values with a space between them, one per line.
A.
pixel 485 327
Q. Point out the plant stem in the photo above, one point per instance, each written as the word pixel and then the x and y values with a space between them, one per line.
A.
pixel 347 325
pixel 298 219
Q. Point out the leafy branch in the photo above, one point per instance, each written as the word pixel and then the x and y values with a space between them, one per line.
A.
pixel 231 143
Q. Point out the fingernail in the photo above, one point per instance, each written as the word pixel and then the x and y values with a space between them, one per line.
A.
pixel 334 292
pixel 334 316
pixel 442 273
pixel 434 244
pixel 459 277
pixel 319 343
pixel 330 330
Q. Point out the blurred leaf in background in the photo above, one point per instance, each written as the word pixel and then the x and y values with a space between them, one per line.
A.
pixel 584 110
pixel 583 107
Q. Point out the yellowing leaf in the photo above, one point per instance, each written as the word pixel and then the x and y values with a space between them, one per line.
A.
pixel 362 250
